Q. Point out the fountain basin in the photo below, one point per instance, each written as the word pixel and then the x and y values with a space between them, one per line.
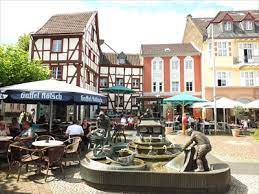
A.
pixel 156 179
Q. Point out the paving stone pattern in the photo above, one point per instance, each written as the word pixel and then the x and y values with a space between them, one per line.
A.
pixel 240 153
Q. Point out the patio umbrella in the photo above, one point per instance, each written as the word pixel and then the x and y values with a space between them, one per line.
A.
pixel 225 103
pixel 118 90
pixel 183 99
pixel 51 92
pixel 253 104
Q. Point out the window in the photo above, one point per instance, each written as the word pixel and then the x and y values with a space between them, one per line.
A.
pixel 103 82
pixel 175 86
pixel 157 74
pixel 248 52
pixel 90 54
pixel 119 82
pixel 133 100
pixel 18 107
pixel 247 78
pixel 223 78
pixel 94 58
pixel 154 86
pixel 188 86
pixel 210 59
pixel 119 102
pixel 222 49
pixel 135 83
pixel 92 34
pixel 160 86
pixel 56 45
pixel 11 106
pixel 248 25
pixel 227 26
pixel 188 64
pixel 88 76
pixel 56 72
pixel 94 80
pixel 175 64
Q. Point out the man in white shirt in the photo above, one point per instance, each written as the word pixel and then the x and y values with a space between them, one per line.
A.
pixel 74 129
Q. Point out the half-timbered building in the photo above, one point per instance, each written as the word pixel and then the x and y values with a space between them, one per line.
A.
pixel 68 44
pixel 125 70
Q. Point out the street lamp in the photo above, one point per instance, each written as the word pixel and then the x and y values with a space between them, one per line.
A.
pixel 214 76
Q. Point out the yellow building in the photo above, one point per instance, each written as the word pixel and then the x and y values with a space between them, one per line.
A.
pixel 236 51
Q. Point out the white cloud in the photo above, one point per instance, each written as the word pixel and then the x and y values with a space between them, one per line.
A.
pixel 123 28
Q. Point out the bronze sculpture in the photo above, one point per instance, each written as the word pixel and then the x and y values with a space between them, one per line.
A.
pixel 203 147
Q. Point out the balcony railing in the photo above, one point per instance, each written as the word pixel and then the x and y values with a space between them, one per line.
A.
pixel 246 60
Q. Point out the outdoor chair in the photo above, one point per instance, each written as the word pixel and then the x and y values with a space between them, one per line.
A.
pixel 54 158
pixel 20 155
pixel 44 137
pixel 73 148
pixel 4 145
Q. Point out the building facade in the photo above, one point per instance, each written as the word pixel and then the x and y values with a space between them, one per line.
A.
pixel 125 70
pixel 236 51
pixel 68 45
pixel 170 69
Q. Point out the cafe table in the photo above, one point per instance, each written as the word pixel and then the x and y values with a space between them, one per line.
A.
pixel 45 143
pixel 6 138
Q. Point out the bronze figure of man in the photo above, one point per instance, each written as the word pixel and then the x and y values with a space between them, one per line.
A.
pixel 203 147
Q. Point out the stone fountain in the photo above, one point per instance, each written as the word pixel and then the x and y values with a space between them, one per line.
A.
pixel 151 163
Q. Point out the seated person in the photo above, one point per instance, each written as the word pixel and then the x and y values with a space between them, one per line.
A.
pixel 74 129
pixel 123 120
pixel 27 135
pixel 15 128
pixel 4 131
pixel 131 121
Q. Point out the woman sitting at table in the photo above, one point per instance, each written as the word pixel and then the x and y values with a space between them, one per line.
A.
pixel 27 135
pixel 4 131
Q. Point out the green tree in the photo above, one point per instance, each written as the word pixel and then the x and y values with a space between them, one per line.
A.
pixel 15 66
pixel 24 42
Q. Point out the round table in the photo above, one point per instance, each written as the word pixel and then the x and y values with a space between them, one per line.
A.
pixel 44 143
pixel 5 138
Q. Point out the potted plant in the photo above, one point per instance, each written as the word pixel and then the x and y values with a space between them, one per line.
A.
pixel 240 113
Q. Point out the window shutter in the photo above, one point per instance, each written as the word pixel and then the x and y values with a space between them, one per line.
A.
pixel 215 49
pixel 229 49
pixel 242 78
pixel 257 78
pixel 228 78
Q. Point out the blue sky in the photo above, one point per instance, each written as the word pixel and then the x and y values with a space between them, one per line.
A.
pixel 124 25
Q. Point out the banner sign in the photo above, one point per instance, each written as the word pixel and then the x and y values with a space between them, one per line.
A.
pixel 90 99
pixel 45 96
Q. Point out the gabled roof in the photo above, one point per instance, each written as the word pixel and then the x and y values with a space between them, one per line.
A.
pixel 112 59
pixel 236 15
pixel 66 23
pixel 201 24
pixel 159 50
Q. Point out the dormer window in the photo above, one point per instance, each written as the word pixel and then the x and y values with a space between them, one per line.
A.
pixel 228 26
pixel 121 58
pixel 248 25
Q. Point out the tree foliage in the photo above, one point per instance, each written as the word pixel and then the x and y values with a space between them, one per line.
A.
pixel 15 66
pixel 24 42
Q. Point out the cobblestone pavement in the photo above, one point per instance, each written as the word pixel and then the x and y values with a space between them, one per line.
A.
pixel 240 153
